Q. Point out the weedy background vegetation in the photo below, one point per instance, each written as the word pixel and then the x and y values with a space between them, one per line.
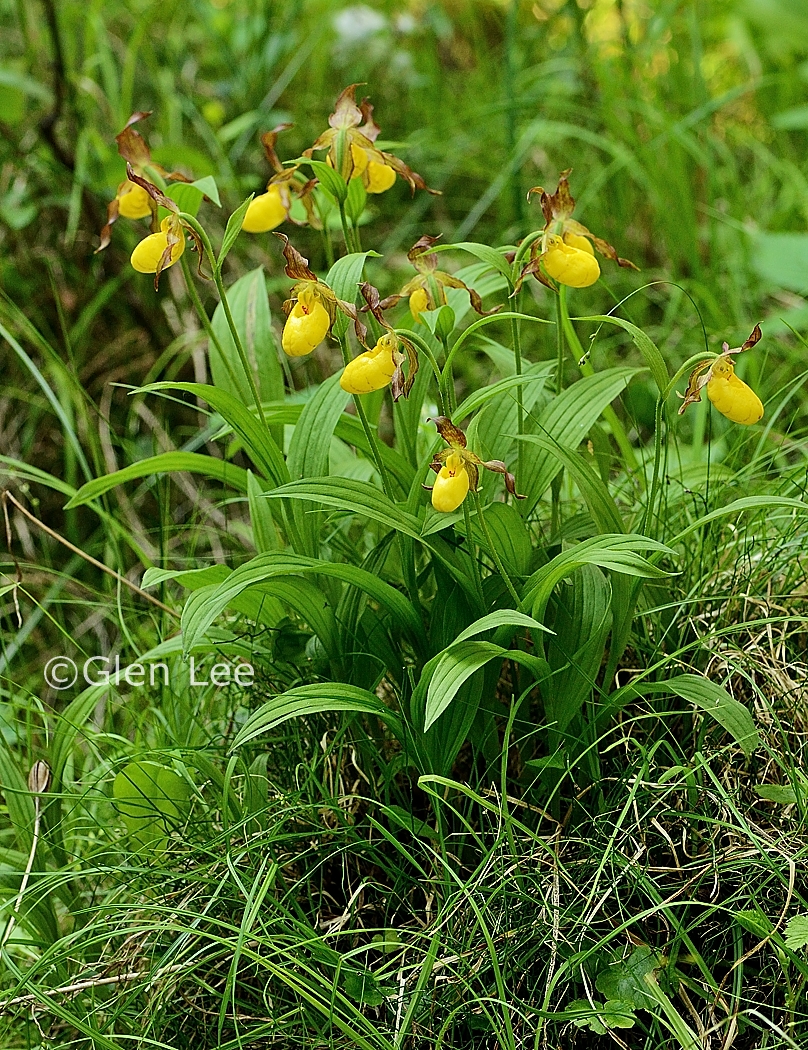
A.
pixel 307 888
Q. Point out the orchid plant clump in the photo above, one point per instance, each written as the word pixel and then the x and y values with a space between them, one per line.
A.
pixel 496 564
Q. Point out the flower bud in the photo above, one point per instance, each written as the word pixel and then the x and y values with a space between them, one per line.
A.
pixel 307 324
pixel 451 485
pixel 575 267
pixel 380 177
pixel 372 370
pixel 148 253
pixel 266 211
pixel 419 301
pixel 731 396
pixel 133 201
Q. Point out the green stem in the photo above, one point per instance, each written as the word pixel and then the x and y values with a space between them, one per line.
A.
pixel 652 495
pixel 205 320
pixel 472 552
pixel 426 350
pixel 494 552
pixel 189 220
pixel 520 408
pixel 371 437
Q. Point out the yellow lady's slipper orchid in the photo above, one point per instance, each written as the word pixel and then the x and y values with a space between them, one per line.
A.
pixel 266 211
pixel 565 251
pixel 731 396
pixel 569 265
pixel 133 201
pixel 307 324
pixel 457 468
pixel 372 370
pixel 152 249
pixel 451 485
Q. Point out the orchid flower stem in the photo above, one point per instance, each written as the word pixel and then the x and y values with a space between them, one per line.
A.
pixel 371 437
pixel 652 495
pixel 346 229
pixel 494 552
pixel 555 487
pixel 478 580
pixel 204 319
pixel 189 220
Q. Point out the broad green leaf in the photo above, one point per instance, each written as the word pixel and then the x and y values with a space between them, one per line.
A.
pixel 754 921
pixel 625 981
pixel 566 420
pixel 166 463
pixel 272 565
pixel 502 386
pixel 785 796
pixel 315 699
pixel 234 224
pixel 152 800
pixel 344 279
pixel 500 618
pixel 265 535
pixel 249 307
pixel 796 933
pixel 18 799
pixel 653 358
pixel 330 180
pixel 257 440
pixel 189 195
pixel 715 701
pixel 494 258
pixel 355 200
pixel 767 503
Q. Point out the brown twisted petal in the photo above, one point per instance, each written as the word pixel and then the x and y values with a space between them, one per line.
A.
pixel 510 480
pixel 296 266
pixel 451 434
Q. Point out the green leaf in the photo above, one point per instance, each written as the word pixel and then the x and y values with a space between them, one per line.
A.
pixel 785 796
pixel 257 441
pixel 796 933
pixel 754 921
pixel 166 463
pixel 781 259
pixel 344 279
pixel 493 257
pixel 502 386
pixel 625 981
pixel 234 224
pixel 249 307
pixel 355 201
pixel 715 701
pixel 330 180
pixel 189 195
pixel 567 420
pixel 315 699
pixel 265 535
pixel 646 346
pixel 362 986
pixel 612 1014
pixel 152 800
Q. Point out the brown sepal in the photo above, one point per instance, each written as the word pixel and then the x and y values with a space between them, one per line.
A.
pixel 421 257
pixel 402 384
pixel 451 434
pixel 360 328
pixel 454 282
pixel 268 140
pixel 346 112
pixel 374 303
pixel 510 481
pixel 296 266
pixel 755 337
pixel 152 190
pixel 173 237
pixel 370 129
pixel 533 268
pixel 556 206
pixel 131 144
pixel 105 236
pixel 695 384
pixel 413 178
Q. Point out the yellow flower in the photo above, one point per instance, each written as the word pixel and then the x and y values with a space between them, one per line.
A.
pixel 575 267
pixel 147 256
pixel 372 370
pixel 457 468
pixel 419 300
pixel 380 177
pixel 451 485
pixel 133 201
pixel 266 211
pixel 307 324
pixel 731 396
